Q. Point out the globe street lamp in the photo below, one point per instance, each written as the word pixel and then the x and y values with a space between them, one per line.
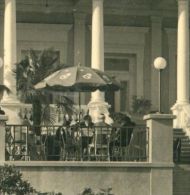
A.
pixel 160 64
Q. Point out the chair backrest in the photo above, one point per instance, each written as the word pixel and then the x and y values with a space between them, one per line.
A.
pixel 102 135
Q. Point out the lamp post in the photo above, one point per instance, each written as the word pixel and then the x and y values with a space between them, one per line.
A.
pixel 160 64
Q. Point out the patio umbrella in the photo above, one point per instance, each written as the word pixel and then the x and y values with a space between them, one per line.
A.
pixel 78 79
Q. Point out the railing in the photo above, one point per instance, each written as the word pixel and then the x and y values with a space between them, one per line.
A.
pixel 177 150
pixel 98 143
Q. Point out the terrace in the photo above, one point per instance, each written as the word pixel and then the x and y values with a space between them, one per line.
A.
pixel 143 157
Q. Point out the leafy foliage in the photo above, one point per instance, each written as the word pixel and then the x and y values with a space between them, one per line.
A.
pixel 89 191
pixel 11 181
pixel 31 70
pixel 65 106
pixel 141 105
pixel 3 88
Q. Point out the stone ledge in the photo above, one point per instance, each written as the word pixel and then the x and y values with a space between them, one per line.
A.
pixel 88 164
pixel 159 116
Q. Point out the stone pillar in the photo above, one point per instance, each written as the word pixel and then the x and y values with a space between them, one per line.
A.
pixel 156 51
pixel 1 46
pixel 160 137
pixel 10 102
pixel 160 153
pixel 3 119
pixel 97 105
pixel 181 108
pixel 183 52
pixel 10 50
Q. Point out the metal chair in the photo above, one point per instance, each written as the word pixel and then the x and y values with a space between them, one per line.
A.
pixel 99 148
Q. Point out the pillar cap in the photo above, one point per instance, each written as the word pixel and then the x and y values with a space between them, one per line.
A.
pixel 159 116
pixel 3 118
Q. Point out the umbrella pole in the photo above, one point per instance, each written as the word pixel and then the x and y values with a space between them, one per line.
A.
pixel 79 106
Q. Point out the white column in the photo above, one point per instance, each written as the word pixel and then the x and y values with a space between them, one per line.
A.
pixel 10 103
pixel 97 104
pixel 156 51
pixel 10 50
pixel 183 52
pixel 97 52
pixel 3 119
pixel 182 108
pixel 1 46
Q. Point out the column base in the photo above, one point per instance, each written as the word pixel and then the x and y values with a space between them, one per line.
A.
pixel 13 111
pixel 96 108
pixel 9 99
pixel 182 113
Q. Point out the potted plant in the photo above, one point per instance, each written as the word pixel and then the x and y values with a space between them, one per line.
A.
pixel 140 105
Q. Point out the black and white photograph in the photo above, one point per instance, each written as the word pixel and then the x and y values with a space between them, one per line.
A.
pixel 94 97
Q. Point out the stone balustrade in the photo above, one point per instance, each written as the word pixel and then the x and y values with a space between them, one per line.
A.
pixel 152 177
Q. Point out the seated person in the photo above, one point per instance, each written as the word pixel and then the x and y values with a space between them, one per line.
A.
pixel 122 133
pixel 126 131
pixel 87 132
pixel 102 133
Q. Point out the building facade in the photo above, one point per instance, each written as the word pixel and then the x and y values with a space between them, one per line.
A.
pixel 123 38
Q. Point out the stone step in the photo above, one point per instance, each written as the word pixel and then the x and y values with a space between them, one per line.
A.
pixel 183 137
pixel 185 148
pixel 181 179
pixel 181 193
pixel 185 157
pixel 179 132
pixel 185 160
pixel 185 152
pixel 185 145
pixel 177 129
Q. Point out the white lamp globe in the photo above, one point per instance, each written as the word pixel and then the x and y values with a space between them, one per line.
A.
pixel 160 63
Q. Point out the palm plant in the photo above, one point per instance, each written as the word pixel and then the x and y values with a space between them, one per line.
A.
pixel 31 70
pixel 3 88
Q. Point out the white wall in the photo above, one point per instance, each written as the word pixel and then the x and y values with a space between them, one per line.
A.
pixel 43 36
